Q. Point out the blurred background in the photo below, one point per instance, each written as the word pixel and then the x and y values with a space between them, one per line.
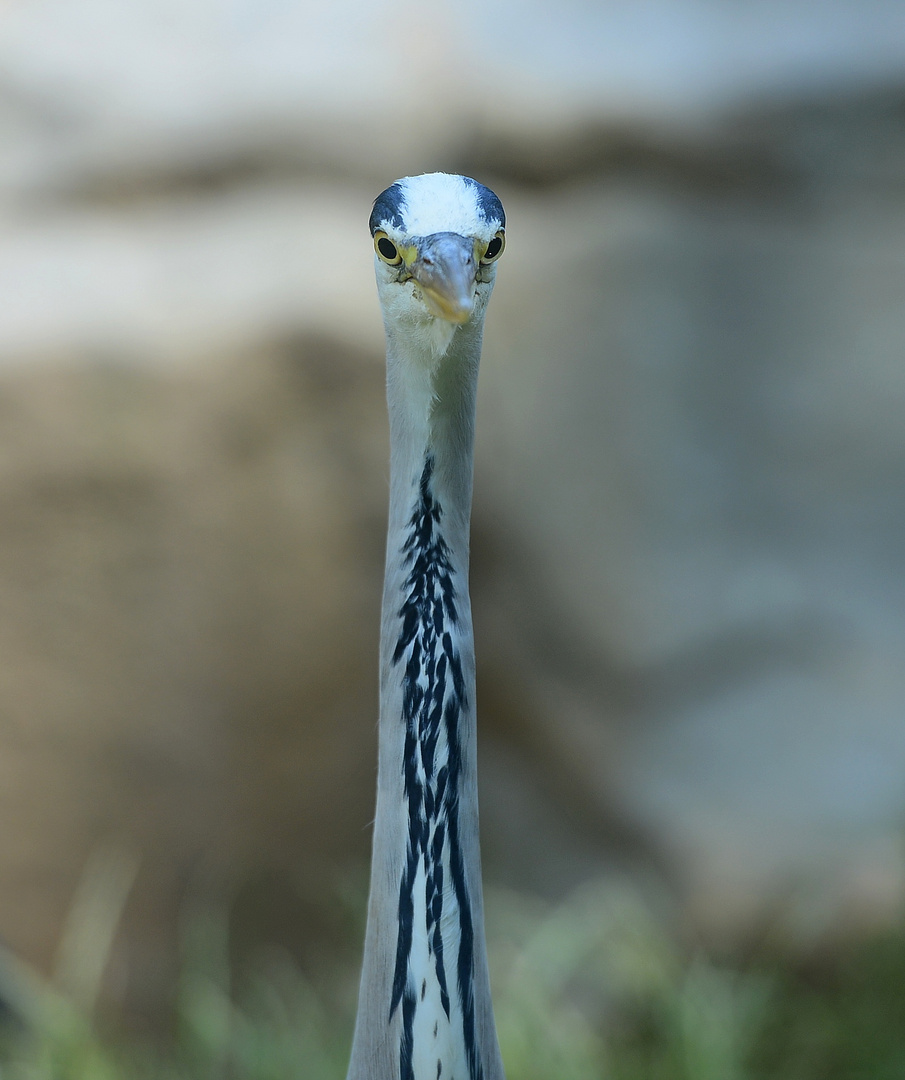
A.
pixel 688 568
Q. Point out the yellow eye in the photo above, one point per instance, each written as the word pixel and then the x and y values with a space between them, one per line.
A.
pixel 386 249
pixel 494 248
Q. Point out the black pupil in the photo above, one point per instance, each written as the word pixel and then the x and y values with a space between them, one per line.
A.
pixel 387 248
pixel 493 248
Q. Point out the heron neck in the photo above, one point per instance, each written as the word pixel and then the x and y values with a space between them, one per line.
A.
pixel 431 409
pixel 425 1008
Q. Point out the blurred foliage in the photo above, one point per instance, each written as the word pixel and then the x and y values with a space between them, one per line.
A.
pixel 593 987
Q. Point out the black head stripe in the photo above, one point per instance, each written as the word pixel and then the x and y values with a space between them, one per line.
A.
pixel 489 205
pixel 387 209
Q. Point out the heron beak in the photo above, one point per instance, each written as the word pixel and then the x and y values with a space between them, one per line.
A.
pixel 445 270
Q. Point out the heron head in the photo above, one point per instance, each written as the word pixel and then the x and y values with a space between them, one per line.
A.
pixel 436 241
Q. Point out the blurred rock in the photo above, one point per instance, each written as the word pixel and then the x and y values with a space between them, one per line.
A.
pixel 688 519
pixel 191 567
pixel 694 430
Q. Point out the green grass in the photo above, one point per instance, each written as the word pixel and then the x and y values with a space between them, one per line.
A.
pixel 594 987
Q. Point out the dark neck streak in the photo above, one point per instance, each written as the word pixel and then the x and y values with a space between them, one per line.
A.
pixel 434 700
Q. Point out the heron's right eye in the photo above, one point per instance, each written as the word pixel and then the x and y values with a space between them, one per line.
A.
pixel 387 250
pixel 495 247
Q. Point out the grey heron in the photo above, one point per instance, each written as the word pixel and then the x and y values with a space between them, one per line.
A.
pixel 424 1010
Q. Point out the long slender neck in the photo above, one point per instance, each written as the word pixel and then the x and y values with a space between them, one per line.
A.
pixel 424 1006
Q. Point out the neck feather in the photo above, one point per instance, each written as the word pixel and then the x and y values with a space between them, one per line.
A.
pixel 424 1008
pixel 432 405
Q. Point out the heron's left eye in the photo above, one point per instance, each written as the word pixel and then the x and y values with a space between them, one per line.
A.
pixel 386 249
pixel 494 248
